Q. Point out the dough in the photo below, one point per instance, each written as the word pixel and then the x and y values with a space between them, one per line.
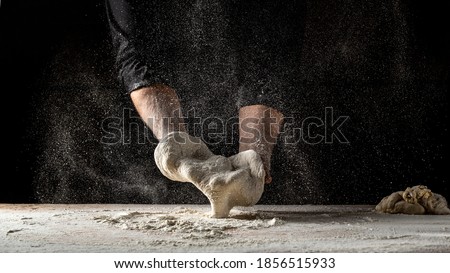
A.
pixel 395 203
pixel 226 181
pixel 436 204
pixel 415 194
pixel 415 200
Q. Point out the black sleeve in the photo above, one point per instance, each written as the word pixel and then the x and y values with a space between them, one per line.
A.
pixel 134 69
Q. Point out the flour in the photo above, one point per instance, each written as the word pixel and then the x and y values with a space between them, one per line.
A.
pixel 188 223
pixel 120 228
pixel 226 181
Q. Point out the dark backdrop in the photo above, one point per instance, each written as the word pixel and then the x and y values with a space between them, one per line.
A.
pixel 384 64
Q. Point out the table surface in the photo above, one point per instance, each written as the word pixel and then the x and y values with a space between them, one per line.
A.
pixel 188 228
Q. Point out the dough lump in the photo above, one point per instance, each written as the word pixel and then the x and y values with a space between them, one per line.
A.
pixel 226 181
pixel 415 200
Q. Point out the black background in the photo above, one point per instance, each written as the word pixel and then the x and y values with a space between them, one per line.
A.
pixel 382 63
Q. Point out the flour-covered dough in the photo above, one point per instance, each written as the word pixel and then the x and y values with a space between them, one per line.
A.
pixel 226 181
pixel 415 200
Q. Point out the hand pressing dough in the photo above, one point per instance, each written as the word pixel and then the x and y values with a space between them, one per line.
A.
pixel 226 181
pixel 415 200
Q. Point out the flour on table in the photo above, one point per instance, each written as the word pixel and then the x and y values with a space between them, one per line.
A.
pixel 187 223
pixel 226 181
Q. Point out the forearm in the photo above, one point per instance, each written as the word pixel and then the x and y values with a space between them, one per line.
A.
pixel 259 127
pixel 160 109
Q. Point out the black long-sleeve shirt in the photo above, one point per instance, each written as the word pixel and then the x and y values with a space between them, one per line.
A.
pixel 252 42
